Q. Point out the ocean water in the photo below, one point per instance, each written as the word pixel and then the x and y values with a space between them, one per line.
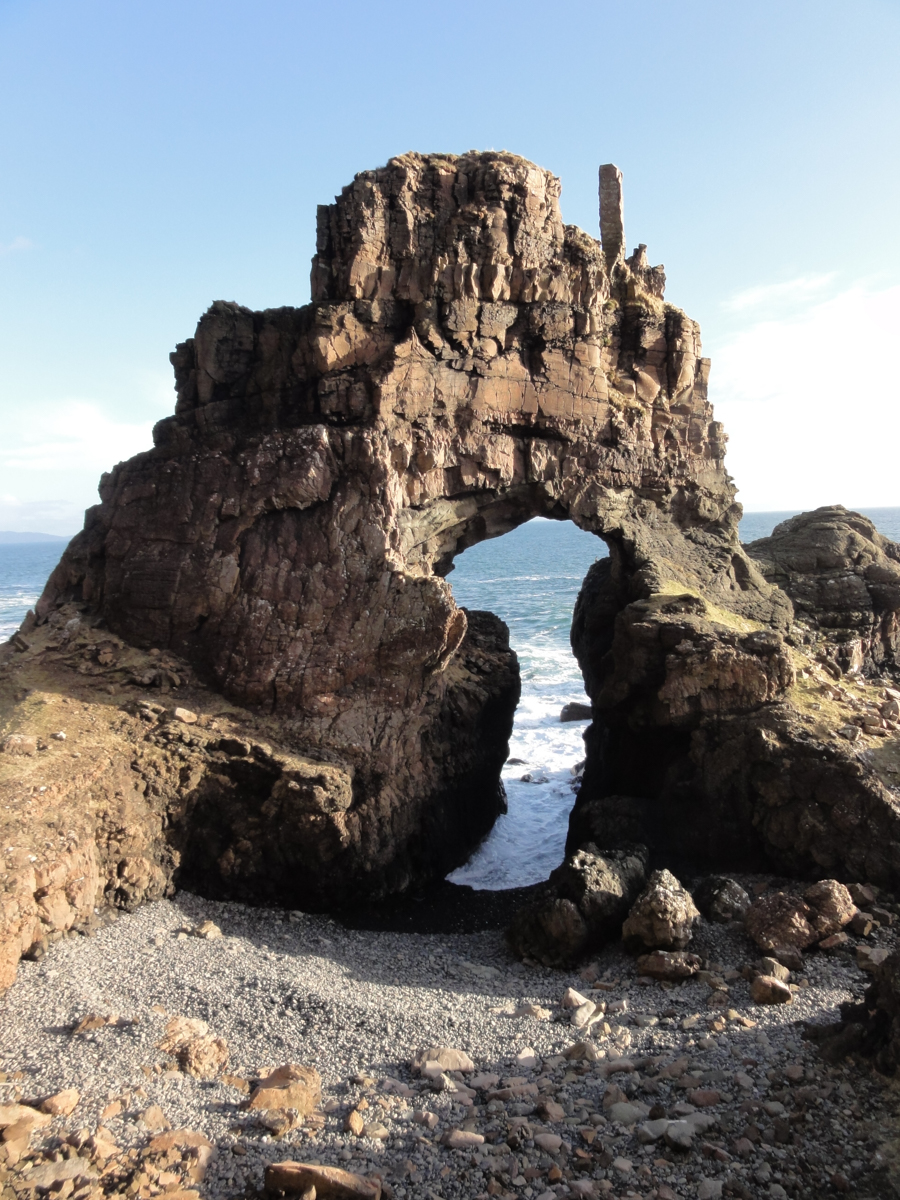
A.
pixel 530 578
pixel 24 569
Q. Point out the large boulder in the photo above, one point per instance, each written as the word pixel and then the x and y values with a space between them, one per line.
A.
pixel 844 580
pixel 582 906
pixel 662 917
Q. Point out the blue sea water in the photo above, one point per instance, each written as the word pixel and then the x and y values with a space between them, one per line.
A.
pixel 24 568
pixel 530 578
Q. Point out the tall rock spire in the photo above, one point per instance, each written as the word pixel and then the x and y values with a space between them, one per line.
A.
pixel 612 214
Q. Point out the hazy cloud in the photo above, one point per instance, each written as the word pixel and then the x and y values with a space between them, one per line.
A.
pixel 18 243
pixel 811 403
pixel 789 293
pixel 73 435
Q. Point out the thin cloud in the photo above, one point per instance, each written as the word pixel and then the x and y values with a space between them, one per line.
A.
pixel 811 403
pixel 16 245
pixel 791 292
pixel 74 435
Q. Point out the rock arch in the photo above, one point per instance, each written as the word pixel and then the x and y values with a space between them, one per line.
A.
pixel 467 361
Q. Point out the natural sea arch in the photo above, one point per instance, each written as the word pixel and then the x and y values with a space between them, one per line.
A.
pixel 530 578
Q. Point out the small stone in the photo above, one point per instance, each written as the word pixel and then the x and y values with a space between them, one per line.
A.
pixel 354 1123
pixel 423 1117
pixel 581 1016
pixel 463 1139
pixel 61 1104
pixel 290 1086
pixel 705 1097
pixel 771 966
pixel 709 1189
pixel 652 1131
pixel 209 930
pixel 680 1135
pixel 94 1021
pixel 552 1111
pixel 550 1142
pixel 625 1113
pixel 581 1051
pixel 19 744
pixel 533 1010
pixel 622 1165
pixel 59 736
pixel 527 1059
pixel 376 1131
pixel 861 924
pixel 765 989
pixel 445 1057
pixel 154 1119
pixel 837 941
pixel 868 958
pixel 573 999
pixel 185 716
pixel 670 965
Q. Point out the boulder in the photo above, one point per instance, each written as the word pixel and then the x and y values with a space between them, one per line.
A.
pixel 721 899
pixel 778 919
pixel 582 906
pixel 832 906
pixel 662 917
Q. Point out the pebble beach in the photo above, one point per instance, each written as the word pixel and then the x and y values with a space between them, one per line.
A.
pixel 670 1094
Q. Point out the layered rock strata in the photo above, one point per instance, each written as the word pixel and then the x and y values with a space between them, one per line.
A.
pixel 468 361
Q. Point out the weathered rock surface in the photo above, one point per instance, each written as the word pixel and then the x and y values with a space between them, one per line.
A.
pixel 468 361
pixel 721 899
pixel 582 906
pixel 843 578
pixel 662 917
pixel 717 741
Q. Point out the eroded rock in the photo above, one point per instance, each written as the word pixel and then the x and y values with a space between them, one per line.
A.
pixel 662 917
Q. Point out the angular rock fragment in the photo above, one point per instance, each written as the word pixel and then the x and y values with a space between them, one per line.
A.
pixel 290 1086
pixel 330 1183
pixel 832 905
pixel 670 965
pixel 766 989
pixel 662 917
pixel 721 899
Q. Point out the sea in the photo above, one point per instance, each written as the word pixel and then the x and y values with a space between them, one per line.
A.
pixel 530 578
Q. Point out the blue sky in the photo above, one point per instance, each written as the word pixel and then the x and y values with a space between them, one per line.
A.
pixel 158 157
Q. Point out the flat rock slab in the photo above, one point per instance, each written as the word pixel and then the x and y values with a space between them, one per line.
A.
pixel 330 1182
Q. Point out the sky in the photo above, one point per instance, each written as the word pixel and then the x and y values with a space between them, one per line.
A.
pixel 157 157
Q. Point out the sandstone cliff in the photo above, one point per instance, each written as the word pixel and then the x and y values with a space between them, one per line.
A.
pixel 467 362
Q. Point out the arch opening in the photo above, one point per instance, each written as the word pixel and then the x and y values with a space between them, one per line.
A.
pixel 530 577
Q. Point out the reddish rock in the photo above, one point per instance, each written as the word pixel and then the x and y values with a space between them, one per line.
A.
pixel 778 919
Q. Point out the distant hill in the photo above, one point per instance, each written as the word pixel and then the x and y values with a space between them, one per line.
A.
pixel 10 538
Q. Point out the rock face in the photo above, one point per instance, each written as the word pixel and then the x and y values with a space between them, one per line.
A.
pixel 708 745
pixel 468 361
pixel 844 580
